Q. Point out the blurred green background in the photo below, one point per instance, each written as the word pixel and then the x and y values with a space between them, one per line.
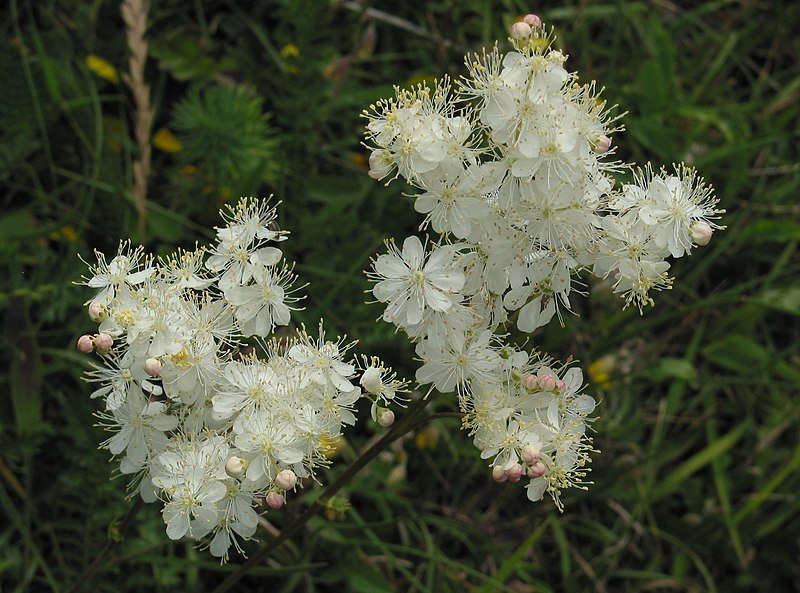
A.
pixel 696 486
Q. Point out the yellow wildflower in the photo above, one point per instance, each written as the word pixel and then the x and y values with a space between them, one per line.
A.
pixel 165 140
pixel 102 68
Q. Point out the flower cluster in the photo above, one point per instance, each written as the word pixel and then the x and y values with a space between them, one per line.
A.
pixel 512 168
pixel 198 419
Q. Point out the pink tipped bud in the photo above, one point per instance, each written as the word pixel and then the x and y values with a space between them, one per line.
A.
pixel 98 312
pixel 560 385
pixel 385 417
pixel 499 474
pixel 235 467
pixel 532 20
pixel 286 479
pixel 515 472
pixel 701 232
pixel 602 144
pixel 531 382
pixel 547 383
pixel 85 344
pixel 520 30
pixel 530 454
pixel 275 500
pixel 537 470
pixel 152 366
pixel 103 343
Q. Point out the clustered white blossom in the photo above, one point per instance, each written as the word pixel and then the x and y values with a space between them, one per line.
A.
pixel 198 420
pixel 512 172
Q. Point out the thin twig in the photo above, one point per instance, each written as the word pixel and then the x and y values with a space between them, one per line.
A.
pixel 398 430
pixel 106 550
pixel 395 21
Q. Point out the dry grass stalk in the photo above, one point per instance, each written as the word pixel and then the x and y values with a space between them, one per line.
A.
pixel 134 13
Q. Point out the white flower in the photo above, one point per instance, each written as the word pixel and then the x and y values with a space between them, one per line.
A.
pixel 184 269
pixel 409 282
pixel 452 365
pixel 454 205
pixel 139 426
pixel 268 443
pixel 260 306
pixel 123 269
pixel 672 204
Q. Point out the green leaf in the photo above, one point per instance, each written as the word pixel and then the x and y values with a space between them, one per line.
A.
pixel 673 368
pixel 772 231
pixel 786 300
pixel 673 481
pixel 738 353
pixel 364 579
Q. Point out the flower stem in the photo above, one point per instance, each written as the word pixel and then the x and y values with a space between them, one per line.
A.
pixel 106 550
pixel 405 425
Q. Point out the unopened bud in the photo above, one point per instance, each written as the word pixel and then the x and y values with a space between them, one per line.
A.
pixel 499 474
pixel 537 470
pixel 152 366
pixel 85 344
pixel 701 232
pixel 602 144
pixel 530 454
pixel 385 417
pixel 547 383
pixel 235 467
pixel 560 385
pixel 274 500
pixel 520 30
pixel 532 20
pixel 103 343
pixel 371 380
pixel 531 382
pixel 98 312
pixel 515 472
pixel 286 479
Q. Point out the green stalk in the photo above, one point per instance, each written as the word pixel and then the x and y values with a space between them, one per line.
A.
pixel 404 426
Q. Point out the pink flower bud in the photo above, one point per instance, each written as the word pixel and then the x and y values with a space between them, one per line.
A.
pixel 560 385
pixel 531 382
pixel 701 232
pixel 520 30
pixel 515 472
pixel 152 366
pixel 602 144
pixel 547 382
pixel 286 479
pixel 499 474
pixel 235 467
pixel 103 343
pixel 85 344
pixel 275 500
pixel 532 20
pixel 537 470
pixel 385 417
pixel 98 312
pixel 530 454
